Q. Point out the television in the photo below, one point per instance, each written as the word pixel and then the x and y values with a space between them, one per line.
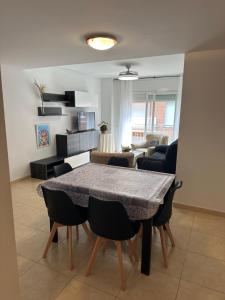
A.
pixel 86 121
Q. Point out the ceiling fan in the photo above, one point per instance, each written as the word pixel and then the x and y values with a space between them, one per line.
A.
pixel 128 74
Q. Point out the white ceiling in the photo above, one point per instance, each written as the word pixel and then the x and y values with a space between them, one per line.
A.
pixel 49 32
pixel 147 66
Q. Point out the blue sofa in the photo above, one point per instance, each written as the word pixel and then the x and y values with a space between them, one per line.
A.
pixel 164 159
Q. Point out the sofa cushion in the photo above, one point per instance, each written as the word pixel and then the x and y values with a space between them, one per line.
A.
pixel 159 156
pixel 153 143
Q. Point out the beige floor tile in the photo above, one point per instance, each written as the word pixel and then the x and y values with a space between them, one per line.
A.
pixel 209 224
pixel 33 217
pixel 22 232
pixel 105 274
pixel 21 209
pixel 182 217
pixel 79 291
pixel 188 290
pixel 33 247
pixel 58 258
pixel 24 192
pixel 205 271
pixel 41 283
pixel 181 236
pixel 157 286
pixel 176 258
pixel 208 245
pixel 24 264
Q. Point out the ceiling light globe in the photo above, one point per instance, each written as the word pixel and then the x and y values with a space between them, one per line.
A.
pixel 101 43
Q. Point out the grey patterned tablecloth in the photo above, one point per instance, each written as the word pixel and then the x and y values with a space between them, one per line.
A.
pixel 141 192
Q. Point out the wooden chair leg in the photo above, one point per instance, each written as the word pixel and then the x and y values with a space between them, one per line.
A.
pixel 130 254
pixel 163 243
pixel 93 255
pixel 169 232
pixel 133 250
pixel 105 246
pixel 87 231
pixel 67 233
pixel 140 232
pixel 51 236
pixel 70 244
pixel 137 237
pixel 120 260
pixel 77 232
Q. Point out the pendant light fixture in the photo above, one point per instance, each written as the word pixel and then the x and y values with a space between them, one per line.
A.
pixel 128 75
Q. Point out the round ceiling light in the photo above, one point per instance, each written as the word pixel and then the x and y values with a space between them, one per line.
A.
pixel 128 75
pixel 101 42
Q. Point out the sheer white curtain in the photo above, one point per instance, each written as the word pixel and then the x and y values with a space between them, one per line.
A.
pixel 124 93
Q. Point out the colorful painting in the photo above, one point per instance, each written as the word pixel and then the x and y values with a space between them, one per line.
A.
pixel 43 135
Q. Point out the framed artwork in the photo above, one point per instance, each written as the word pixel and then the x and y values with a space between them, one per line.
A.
pixel 43 135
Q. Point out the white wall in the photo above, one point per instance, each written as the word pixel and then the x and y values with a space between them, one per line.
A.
pixel 21 100
pixel 9 286
pixel 164 84
pixel 201 150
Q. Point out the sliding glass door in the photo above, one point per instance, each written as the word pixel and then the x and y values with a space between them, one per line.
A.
pixel 155 114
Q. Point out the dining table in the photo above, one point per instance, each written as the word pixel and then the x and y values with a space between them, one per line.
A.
pixel 140 192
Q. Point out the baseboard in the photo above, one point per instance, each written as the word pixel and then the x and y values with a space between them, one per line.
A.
pixel 20 179
pixel 199 209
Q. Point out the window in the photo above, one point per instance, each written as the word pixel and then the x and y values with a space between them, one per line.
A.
pixel 155 114
pixel 138 121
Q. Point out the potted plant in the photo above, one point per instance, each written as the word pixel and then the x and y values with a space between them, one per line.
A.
pixel 103 126
pixel 41 89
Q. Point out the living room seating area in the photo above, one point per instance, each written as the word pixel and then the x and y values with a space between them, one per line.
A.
pixel 152 140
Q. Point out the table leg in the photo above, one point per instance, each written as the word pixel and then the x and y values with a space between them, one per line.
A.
pixel 146 246
pixel 55 239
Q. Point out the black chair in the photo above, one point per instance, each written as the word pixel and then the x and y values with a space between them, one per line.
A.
pixel 62 169
pixel 163 159
pixel 63 212
pixel 109 221
pixel 162 218
pixel 118 161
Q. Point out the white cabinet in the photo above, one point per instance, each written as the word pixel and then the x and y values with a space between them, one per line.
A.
pixel 86 99
pixel 78 160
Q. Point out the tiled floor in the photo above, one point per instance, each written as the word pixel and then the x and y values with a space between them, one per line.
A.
pixel 196 266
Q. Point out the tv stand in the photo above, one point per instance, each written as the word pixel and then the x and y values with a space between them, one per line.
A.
pixel 43 168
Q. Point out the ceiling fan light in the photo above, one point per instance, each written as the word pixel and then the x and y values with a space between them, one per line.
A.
pixel 128 75
pixel 101 42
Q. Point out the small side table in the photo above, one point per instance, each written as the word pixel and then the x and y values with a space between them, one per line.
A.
pixel 137 154
pixel 106 143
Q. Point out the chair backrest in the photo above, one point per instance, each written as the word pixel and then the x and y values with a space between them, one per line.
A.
pixel 103 157
pixel 61 208
pixel 171 158
pixel 62 169
pixel 151 165
pixel 118 161
pixel 161 139
pixel 164 212
pixel 109 219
